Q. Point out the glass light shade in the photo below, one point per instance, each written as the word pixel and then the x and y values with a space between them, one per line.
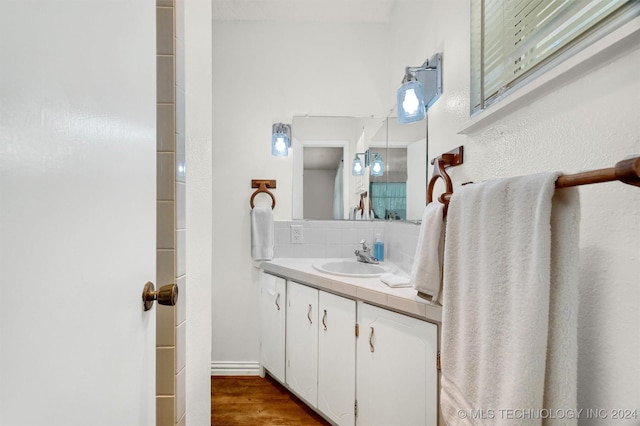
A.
pixel 377 167
pixel 357 169
pixel 411 102
pixel 280 145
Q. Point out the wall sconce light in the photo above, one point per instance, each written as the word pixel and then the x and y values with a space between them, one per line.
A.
pixel 280 139
pixel 357 169
pixel 377 165
pixel 421 87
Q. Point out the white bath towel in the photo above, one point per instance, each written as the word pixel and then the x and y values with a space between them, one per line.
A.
pixel 509 326
pixel 262 233
pixel 426 271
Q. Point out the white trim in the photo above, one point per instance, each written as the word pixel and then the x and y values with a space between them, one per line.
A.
pixel 599 53
pixel 235 368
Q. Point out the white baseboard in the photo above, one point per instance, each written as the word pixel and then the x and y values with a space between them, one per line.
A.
pixel 235 368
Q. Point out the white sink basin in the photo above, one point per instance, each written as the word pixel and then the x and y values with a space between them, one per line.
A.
pixel 352 268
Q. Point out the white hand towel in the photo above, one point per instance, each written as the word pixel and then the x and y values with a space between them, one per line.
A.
pixel 510 302
pixel 262 233
pixel 426 271
pixel 396 280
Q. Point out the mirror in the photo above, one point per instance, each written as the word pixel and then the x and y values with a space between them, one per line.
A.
pixel 400 194
pixel 323 153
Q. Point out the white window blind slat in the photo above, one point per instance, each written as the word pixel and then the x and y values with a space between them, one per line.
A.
pixel 513 38
pixel 494 47
pixel 570 20
pixel 529 20
pixel 476 45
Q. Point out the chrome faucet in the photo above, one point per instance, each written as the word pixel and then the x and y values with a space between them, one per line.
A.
pixel 364 255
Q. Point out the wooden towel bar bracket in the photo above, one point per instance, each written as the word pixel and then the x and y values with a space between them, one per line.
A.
pixel 262 185
pixel 440 164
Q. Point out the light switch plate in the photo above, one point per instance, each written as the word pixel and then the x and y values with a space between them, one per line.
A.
pixel 296 234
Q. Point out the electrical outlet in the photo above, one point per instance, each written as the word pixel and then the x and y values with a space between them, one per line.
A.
pixel 296 234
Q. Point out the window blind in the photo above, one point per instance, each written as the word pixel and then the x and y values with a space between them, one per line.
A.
pixel 512 38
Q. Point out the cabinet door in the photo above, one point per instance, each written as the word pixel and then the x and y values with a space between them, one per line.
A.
pixel 396 369
pixel 337 358
pixel 302 341
pixel 272 323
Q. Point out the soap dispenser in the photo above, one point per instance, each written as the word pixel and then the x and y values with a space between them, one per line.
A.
pixel 378 248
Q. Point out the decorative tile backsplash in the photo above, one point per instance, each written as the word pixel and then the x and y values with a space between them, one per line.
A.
pixel 330 238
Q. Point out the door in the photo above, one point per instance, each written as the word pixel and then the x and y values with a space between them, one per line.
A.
pixel 396 369
pixel 337 358
pixel 77 212
pixel 272 325
pixel 302 341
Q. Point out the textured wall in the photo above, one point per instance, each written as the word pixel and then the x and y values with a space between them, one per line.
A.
pixel 588 121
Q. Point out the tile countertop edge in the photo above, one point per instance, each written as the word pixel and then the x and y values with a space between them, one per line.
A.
pixel 370 290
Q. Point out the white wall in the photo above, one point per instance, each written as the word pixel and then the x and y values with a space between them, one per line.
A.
pixel 590 121
pixel 196 17
pixel 265 72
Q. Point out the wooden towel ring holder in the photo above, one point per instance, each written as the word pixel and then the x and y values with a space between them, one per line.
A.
pixel 262 186
pixel 440 164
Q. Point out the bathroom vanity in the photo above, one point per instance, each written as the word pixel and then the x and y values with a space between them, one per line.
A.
pixel 354 349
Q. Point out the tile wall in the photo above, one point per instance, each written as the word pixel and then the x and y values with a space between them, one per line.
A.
pixel 171 230
pixel 330 238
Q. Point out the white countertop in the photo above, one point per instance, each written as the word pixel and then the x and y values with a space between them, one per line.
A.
pixel 371 290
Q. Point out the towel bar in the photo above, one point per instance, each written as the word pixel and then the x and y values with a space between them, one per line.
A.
pixel 626 171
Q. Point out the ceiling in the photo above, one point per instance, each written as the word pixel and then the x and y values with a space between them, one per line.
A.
pixel 303 10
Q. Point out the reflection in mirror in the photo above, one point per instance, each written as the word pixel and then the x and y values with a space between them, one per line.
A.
pixel 400 193
pixel 323 186
pixel 323 152
pixel 323 181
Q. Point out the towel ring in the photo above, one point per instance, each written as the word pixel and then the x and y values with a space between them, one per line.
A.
pixel 262 186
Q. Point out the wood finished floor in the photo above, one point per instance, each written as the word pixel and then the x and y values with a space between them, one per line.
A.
pixel 253 401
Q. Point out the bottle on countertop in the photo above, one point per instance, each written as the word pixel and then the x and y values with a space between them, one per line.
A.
pixel 378 248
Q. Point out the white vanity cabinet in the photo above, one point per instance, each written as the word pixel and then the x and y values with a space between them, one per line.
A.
pixel 337 358
pixel 385 376
pixel 396 369
pixel 272 325
pixel 321 351
pixel 302 341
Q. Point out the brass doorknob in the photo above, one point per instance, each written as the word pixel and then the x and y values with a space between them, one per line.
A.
pixel 167 295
